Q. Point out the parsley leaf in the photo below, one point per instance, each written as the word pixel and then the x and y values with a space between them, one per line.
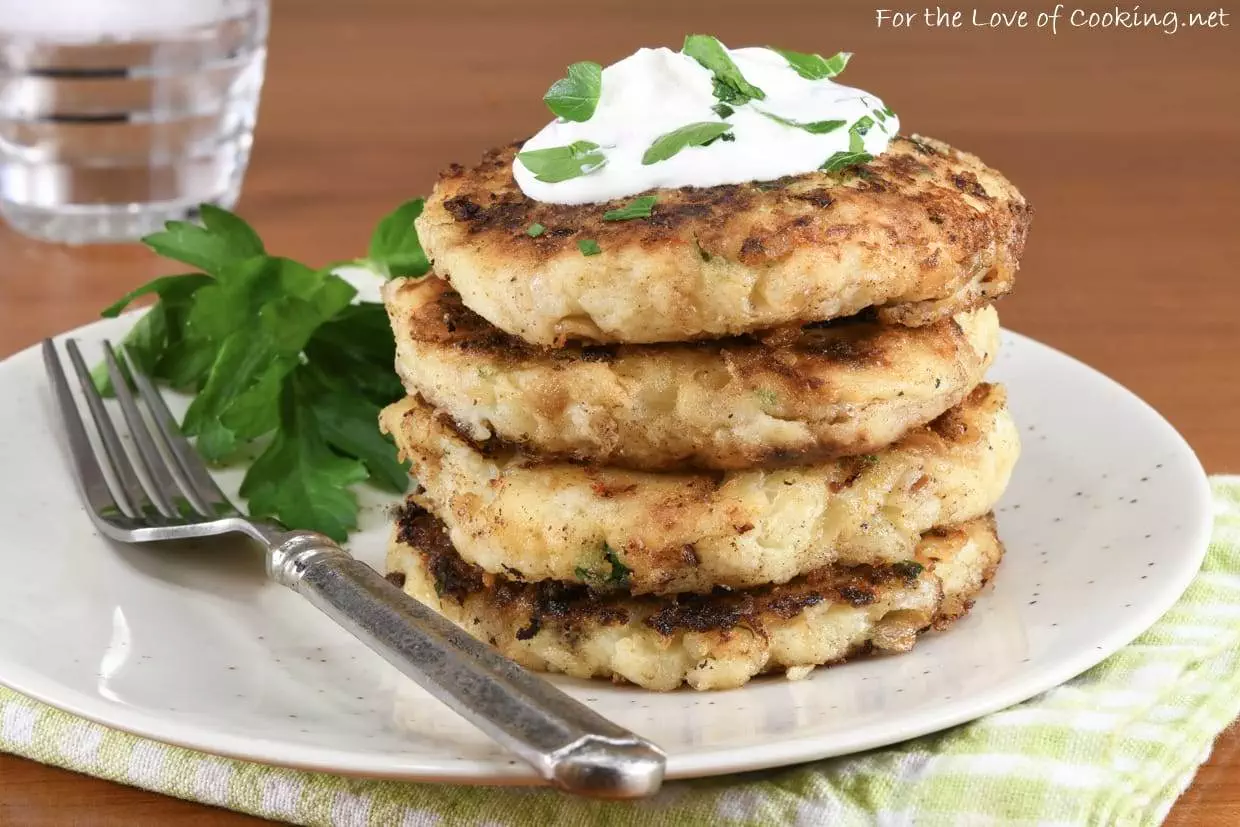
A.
pixel 694 134
pixel 299 479
pixel 815 67
pixel 395 247
pixel 844 160
pixel 229 306
pixel 730 84
pixel 357 344
pixel 561 163
pixel 163 286
pixel 158 330
pixel 535 230
pixel 814 127
pixel 160 341
pixel 575 97
pixel 277 351
pixel 616 576
pixel 223 240
pixel 723 110
pixel 588 247
pixel 619 577
pixel 856 153
pixel 239 401
pixel 637 208
pixel 347 421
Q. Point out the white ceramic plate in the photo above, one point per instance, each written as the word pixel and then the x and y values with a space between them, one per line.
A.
pixel 1106 522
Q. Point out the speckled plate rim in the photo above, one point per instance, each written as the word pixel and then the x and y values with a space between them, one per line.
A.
pixel 1195 513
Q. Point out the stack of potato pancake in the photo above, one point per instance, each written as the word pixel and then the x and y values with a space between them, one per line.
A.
pixel 746 433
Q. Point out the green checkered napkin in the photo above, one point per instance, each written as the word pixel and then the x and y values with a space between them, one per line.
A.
pixel 1114 746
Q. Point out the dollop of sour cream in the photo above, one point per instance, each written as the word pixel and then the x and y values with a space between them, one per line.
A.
pixel 656 91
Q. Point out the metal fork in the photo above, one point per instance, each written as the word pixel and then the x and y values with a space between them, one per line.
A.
pixel 159 489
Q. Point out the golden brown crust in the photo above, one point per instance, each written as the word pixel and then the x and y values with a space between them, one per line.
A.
pixel 801 395
pixel 713 641
pixel 922 232
pixel 689 532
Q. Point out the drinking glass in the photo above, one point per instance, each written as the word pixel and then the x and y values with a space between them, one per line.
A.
pixel 119 115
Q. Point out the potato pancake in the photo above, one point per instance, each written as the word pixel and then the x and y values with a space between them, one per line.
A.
pixel 848 387
pixel 690 532
pixel 921 233
pixel 715 641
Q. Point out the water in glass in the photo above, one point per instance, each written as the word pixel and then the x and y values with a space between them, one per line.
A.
pixel 118 115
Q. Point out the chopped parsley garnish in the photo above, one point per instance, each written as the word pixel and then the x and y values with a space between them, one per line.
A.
pixel 619 576
pixel 723 110
pixel 730 85
pixel 861 126
pixel 535 230
pixel 855 154
pixel 844 160
pixel 561 163
pixel 694 134
pixel 766 397
pixel 616 577
pixel 575 97
pixel 637 208
pixel 815 67
pixel 588 247
pixel 814 127
pixel 281 362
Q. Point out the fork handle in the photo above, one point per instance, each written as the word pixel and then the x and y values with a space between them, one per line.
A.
pixel 567 743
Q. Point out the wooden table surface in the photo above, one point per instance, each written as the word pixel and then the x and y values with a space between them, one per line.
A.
pixel 1125 141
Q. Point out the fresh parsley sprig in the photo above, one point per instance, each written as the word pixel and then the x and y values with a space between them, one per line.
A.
pixel 281 361
pixel 574 98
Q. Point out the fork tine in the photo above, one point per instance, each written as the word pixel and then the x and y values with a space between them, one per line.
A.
pixel 200 489
pixel 150 463
pixel 90 476
pixel 131 491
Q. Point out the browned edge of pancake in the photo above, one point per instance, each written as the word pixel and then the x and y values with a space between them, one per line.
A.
pixel 570 606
